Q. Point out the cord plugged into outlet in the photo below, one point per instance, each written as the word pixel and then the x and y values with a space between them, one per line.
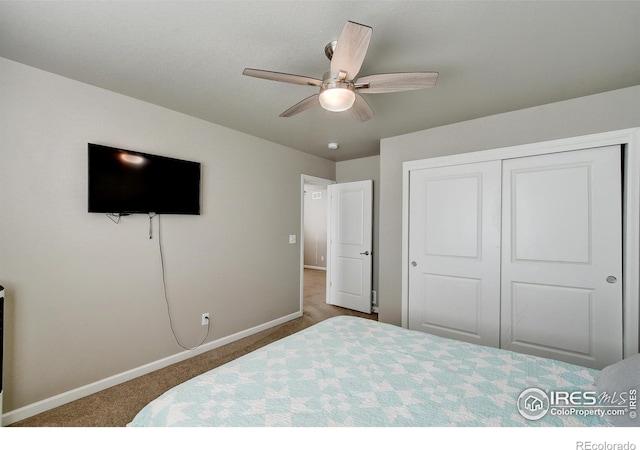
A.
pixel 205 316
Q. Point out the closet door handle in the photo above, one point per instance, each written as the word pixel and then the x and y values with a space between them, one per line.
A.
pixel 365 253
pixel 413 263
pixel 611 279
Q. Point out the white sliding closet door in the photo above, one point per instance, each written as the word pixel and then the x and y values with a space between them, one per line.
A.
pixel 562 256
pixel 454 252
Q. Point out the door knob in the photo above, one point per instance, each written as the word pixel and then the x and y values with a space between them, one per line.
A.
pixel 413 263
pixel 365 253
pixel 611 279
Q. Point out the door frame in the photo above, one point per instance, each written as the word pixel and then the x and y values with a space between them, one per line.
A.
pixel 309 179
pixel 630 140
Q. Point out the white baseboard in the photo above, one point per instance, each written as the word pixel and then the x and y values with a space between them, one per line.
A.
pixel 315 267
pixel 75 394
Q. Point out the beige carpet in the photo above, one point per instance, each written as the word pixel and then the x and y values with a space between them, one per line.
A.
pixel 116 406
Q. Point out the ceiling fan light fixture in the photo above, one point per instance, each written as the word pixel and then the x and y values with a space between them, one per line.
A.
pixel 337 99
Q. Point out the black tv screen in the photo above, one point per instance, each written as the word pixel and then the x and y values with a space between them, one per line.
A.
pixel 128 182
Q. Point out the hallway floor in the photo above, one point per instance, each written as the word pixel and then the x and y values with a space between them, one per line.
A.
pixel 315 306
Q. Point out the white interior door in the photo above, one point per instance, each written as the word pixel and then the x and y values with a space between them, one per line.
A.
pixel 350 248
pixel 562 256
pixel 454 252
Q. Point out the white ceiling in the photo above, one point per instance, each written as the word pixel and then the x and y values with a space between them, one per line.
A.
pixel 492 57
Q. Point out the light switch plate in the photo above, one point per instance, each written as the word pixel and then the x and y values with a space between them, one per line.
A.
pixel 292 239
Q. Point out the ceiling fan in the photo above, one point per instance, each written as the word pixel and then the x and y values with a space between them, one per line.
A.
pixel 340 87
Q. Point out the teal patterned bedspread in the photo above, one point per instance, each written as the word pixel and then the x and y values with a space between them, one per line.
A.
pixel 348 371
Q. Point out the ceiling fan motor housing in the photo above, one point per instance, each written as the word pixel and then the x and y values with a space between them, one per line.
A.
pixel 329 49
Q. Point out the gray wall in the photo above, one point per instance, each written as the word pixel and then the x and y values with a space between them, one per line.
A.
pixel 84 295
pixel 315 226
pixel 607 111
pixel 359 170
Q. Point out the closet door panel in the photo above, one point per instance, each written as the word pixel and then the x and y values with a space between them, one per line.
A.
pixel 561 240
pixel 454 279
pixel 542 312
pixel 552 219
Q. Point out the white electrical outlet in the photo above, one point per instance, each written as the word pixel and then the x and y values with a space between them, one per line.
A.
pixel 205 319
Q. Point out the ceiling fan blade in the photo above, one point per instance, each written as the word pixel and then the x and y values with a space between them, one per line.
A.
pixel 303 105
pixel 282 77
pixel 361 109
pixel 350 50
pixel 395 82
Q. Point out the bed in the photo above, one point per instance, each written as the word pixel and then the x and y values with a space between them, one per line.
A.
pixel 349 371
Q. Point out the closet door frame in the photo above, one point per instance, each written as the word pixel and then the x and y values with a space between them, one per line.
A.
pixel 630 140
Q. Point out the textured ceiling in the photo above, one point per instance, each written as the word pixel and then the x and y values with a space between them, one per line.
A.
pixel 492 57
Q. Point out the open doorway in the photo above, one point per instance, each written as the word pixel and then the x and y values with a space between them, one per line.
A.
pixel 315 227
pixel 313 236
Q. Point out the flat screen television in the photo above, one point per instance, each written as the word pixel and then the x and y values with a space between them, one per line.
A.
pixel 129 182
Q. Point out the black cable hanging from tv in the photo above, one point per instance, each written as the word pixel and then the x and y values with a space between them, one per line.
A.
pixel 164 285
